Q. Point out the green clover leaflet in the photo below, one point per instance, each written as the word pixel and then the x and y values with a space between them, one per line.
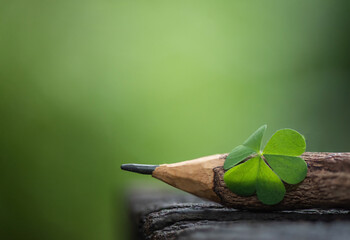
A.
pixel 263 173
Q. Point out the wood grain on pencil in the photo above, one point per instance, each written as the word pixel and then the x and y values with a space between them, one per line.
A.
pixel 327 184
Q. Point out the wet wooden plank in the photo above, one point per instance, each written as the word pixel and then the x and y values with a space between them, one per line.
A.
pixel 164 214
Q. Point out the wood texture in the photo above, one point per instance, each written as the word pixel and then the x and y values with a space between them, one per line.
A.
pixel 194 176
pixel 162 214
pixel 327 184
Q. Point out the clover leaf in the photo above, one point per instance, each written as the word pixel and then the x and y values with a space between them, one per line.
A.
pixel 264 171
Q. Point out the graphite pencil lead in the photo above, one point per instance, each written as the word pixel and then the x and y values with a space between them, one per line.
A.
pixel 139 168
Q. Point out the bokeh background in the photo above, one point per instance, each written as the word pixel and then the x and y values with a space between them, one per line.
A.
pixel 88 85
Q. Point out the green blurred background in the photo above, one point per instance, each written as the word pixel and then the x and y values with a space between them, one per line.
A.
pixel 88 85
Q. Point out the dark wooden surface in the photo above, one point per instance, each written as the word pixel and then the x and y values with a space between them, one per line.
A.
pixel 165 214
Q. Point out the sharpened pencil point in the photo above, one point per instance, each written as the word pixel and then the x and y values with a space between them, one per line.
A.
pixel 139 168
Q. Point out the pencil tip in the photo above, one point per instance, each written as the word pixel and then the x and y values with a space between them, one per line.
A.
pixel 139 168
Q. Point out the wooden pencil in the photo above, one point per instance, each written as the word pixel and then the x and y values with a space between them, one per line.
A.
pixel 327 184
